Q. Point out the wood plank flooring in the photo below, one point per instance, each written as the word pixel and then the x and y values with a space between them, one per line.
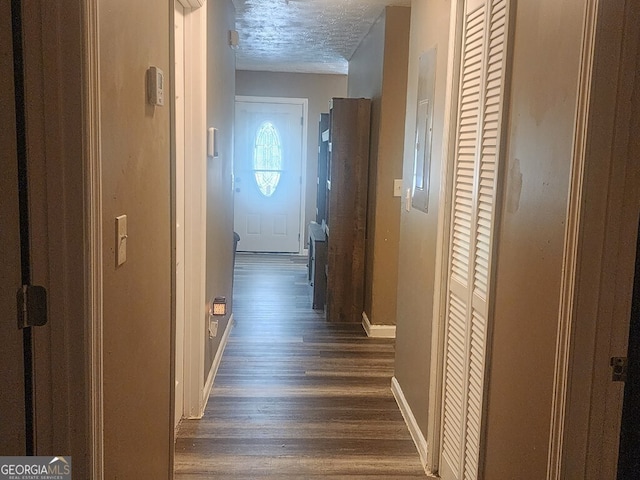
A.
pixel 296 397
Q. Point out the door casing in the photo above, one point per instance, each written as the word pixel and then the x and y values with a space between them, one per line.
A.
pixel 305 119
pixel 600 244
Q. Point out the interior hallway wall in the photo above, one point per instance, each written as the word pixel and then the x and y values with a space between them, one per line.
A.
pixel 319 89
pixel 378 70
pixel 137 295
pixel 221 66
pixel 418 230
pixel 530 244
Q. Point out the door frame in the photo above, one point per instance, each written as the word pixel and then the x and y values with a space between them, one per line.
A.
pixel 443 240
pixel 61 137
pixel 178 189
pixel 434 424
pixel 303 159
pixel 195 85
pixel 600 242
pixel 62 252
pixel 93 232
pixel 195 205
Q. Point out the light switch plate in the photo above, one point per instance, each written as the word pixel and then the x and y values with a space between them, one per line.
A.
pixel 397 187
pixel 121 240
pixel 155 86
pixel 213 327
pixel 212 142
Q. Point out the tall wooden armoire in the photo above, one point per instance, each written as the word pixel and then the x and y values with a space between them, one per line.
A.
pixel 346 209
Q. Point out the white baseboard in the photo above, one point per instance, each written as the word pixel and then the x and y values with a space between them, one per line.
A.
pixel 410 420
pixel 377 331
pixel 214 366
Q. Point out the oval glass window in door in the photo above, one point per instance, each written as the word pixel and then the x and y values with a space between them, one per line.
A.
pixel 267 159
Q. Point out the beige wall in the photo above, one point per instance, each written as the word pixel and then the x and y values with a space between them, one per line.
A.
pixel 220 114
pixel 417 247
pixel 531 236
pixel 319 89
pixel 378 70
pixel 137 295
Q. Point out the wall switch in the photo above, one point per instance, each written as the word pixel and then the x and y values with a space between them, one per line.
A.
pixel 213 327
pixel 121 240
pixel 155 86
pixel 212 142
pixel 397 187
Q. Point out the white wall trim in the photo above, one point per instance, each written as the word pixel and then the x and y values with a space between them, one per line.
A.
pixel 215 365
pixel 93 232
pixel 303 158
pixel 600 248
pixel 377 331
pixel 195 29
pixel 442 239
pixel 410 420
pixel 571 241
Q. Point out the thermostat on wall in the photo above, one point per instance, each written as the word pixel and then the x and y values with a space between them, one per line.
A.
pixel 155 86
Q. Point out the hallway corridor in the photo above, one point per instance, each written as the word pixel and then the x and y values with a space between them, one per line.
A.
pixel 296 397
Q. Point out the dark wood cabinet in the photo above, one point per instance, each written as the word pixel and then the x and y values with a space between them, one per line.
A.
pixel 317 237
pixel 346 211
pixel 323 151
pixel 317 265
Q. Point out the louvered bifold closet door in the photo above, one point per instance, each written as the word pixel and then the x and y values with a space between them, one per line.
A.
pixel 477 145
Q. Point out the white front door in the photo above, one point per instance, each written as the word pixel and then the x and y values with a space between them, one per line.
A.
pixel 268 176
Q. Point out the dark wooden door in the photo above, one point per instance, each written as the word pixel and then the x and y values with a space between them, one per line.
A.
pixel 12 417
pixel 629 455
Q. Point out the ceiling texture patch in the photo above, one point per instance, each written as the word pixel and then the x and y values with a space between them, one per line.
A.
pixel 306 36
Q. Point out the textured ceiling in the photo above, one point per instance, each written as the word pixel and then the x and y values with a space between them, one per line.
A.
pixel 313 36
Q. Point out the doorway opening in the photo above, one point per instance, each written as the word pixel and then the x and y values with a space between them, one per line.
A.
pixel 269 168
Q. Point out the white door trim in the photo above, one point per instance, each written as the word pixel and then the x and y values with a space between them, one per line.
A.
pixel 305 122
pixel 195 78
pixel 570 260
pixel 442 240
pixel 93 233
pixel 178 185
pixel 599 244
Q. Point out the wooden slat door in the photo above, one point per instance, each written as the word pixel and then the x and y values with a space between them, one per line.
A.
pixel 476 162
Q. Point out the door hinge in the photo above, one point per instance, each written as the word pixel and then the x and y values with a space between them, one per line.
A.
pixel 619 368
pixel 32 306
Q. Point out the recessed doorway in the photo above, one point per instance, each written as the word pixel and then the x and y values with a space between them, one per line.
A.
pixel 270 138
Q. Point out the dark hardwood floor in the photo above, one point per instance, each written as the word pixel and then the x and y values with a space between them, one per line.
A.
pixel 296 397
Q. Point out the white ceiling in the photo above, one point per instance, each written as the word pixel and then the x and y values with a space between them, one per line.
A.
pixel 312 36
